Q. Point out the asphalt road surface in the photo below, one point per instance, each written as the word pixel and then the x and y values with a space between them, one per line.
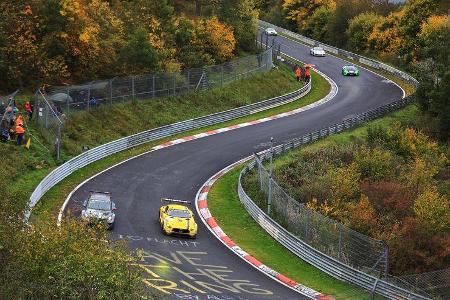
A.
pixel 203 268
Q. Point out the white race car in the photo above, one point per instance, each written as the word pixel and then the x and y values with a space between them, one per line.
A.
pixel 317 51
pixel 271 31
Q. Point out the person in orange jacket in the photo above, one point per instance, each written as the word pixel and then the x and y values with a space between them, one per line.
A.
pixel 20 132
pixel 298 73
pixel 307 75
pixel 19 120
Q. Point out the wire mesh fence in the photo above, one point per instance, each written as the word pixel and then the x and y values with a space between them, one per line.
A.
pixel 48 119
pixel 324 234
pixel 7 116
pixel 435 283
pixel 92 94
pixel 335 240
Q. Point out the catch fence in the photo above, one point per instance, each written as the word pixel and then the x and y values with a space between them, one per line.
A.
pixel 50 120
pixel 106 92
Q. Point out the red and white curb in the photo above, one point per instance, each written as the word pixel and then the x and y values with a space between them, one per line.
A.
pixel 331 95
pixel 201 205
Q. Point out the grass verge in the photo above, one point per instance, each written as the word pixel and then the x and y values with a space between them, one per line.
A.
pixel 224 204
pixel 52 200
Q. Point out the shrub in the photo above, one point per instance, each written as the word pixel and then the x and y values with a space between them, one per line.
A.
pixel 433 209
pixel 375 163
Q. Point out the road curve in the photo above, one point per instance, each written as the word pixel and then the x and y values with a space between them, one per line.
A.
pixel 204 268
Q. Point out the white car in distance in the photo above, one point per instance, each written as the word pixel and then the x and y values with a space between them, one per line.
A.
pixel 271 31
pixel 317 51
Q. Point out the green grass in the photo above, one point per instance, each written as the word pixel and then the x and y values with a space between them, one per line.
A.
pixel 225 206
pixel 52 200
pixel 230 214
pixel 107 123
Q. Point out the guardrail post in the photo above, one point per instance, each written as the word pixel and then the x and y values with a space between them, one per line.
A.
pixel 269 199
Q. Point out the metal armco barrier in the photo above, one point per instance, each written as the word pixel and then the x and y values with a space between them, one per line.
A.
pixel 303 250
pixel 300 248
pixel 97 153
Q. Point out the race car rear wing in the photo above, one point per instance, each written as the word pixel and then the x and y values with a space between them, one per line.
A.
pixel 175 200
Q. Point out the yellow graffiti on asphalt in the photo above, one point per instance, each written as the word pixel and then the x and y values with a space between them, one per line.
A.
pixel 193 275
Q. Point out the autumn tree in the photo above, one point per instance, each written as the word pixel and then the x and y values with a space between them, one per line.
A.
pixel 316 25
pixel 241 15
pixel 299 11
pixel 433 71
pixel 359 30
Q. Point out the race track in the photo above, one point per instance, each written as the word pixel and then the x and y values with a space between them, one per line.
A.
pixel 204 268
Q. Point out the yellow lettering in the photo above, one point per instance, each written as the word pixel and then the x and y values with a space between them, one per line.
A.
pixel 192 287
pixel 170 285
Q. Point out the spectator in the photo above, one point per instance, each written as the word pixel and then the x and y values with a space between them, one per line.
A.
pixel 20 131
pixel 19 121
pixel 93 102
pixel 2 108
pixel 307 75
pixel 4 135
pixel 29 110
pixel 298 73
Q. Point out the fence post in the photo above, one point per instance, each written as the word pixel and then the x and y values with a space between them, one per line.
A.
pixel 189 79
pixel 89 97
pixel 58 142
pixel 340 242
pixel 67 100
pixel 132 87
pixel 174 84
pixel 153 94
pixel 386 265
pixel 269 199
pixel 110 91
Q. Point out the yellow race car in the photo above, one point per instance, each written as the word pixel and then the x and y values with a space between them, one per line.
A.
pixel 177 219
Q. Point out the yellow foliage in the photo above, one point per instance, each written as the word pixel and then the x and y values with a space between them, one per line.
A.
pixel 433 209
pixel 220 38
pixel 434 23
pixel 385 37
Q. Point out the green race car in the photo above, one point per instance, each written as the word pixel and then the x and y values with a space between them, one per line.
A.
pixel 350 71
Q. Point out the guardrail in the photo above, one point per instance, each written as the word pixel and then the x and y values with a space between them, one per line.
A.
pixel 322 261
pixel 347 54
pixel 299 247
pixel 97 153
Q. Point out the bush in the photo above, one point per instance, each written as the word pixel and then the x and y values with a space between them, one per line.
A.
pixel 374 163
pixel 71 262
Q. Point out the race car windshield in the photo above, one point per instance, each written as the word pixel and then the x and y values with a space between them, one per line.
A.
pixel 351 68
pixel 318 49
pixel 99 205
pixel 179 213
